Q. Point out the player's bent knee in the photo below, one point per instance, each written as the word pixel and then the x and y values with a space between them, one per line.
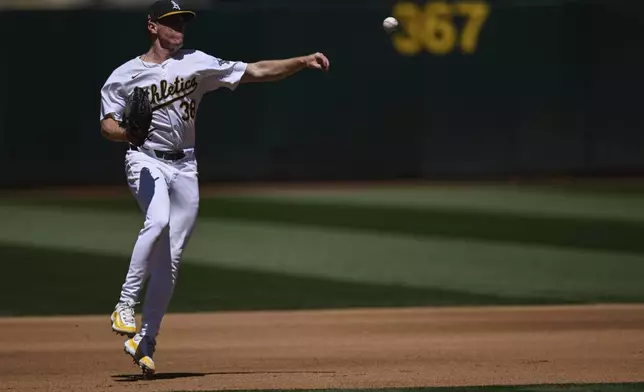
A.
pixel 157 224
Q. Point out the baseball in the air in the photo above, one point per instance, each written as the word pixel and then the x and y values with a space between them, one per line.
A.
pixel 390 24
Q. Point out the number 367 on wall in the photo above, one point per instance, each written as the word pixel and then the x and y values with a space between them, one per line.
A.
pixel 434 27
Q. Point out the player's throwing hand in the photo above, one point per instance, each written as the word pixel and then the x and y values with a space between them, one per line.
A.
pixel 318 61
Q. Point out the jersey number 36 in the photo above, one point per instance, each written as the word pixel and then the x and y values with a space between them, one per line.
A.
pixel 189 109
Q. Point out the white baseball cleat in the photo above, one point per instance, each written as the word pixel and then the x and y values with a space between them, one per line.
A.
pixel 123 319
pixel 141 349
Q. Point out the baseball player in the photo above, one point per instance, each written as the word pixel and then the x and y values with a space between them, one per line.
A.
pixel 151 103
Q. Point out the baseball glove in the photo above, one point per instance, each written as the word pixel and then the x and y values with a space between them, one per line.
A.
pixel 137 117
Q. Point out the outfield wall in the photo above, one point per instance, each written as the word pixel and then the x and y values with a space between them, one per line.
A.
pixel 488 88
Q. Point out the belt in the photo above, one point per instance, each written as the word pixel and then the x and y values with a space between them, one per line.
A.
pixel 166 155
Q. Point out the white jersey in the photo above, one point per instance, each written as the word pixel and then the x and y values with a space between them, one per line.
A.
pixel 175 89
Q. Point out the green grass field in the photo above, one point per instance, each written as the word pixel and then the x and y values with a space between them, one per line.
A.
pixel 289 249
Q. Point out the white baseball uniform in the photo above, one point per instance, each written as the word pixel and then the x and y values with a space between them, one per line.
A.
pixel 165 186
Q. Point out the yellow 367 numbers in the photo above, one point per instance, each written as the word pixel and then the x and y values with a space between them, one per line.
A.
pixel 433 27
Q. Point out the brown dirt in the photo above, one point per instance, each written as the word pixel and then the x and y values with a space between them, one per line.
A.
pixel 357 348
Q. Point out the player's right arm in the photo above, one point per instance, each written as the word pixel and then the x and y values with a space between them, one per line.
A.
pixel 112 130
pixel 112 107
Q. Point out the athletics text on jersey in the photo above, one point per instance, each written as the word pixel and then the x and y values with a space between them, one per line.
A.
pixel 175 88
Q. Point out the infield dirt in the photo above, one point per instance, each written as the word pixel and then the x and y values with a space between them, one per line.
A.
pixel 358 348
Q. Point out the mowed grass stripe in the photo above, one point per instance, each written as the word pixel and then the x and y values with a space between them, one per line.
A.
pixel 615 200
pixel 521 200
pixel 55 282
pixel 502 227
pixel 461 224
pixel 486 268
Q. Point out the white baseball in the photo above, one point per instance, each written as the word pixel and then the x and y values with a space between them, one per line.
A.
pixel 390 24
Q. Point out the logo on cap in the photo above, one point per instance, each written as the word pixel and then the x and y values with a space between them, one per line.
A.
pixel 175 6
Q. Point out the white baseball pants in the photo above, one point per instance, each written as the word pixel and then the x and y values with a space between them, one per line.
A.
pixel 168 194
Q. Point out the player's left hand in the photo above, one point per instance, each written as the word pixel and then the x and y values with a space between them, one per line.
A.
pixel 318 61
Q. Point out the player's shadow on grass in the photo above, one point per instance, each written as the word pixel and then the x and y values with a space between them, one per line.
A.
pixel 171 376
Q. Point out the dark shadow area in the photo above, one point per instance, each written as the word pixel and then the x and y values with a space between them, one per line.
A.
pixel 146 189
pixel 57 282
pixel 172 376
pixel 158 376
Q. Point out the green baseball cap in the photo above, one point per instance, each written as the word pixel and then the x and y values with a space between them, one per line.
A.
pixel 162 8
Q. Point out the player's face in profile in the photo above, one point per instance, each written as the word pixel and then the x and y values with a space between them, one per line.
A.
pixel 170 31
